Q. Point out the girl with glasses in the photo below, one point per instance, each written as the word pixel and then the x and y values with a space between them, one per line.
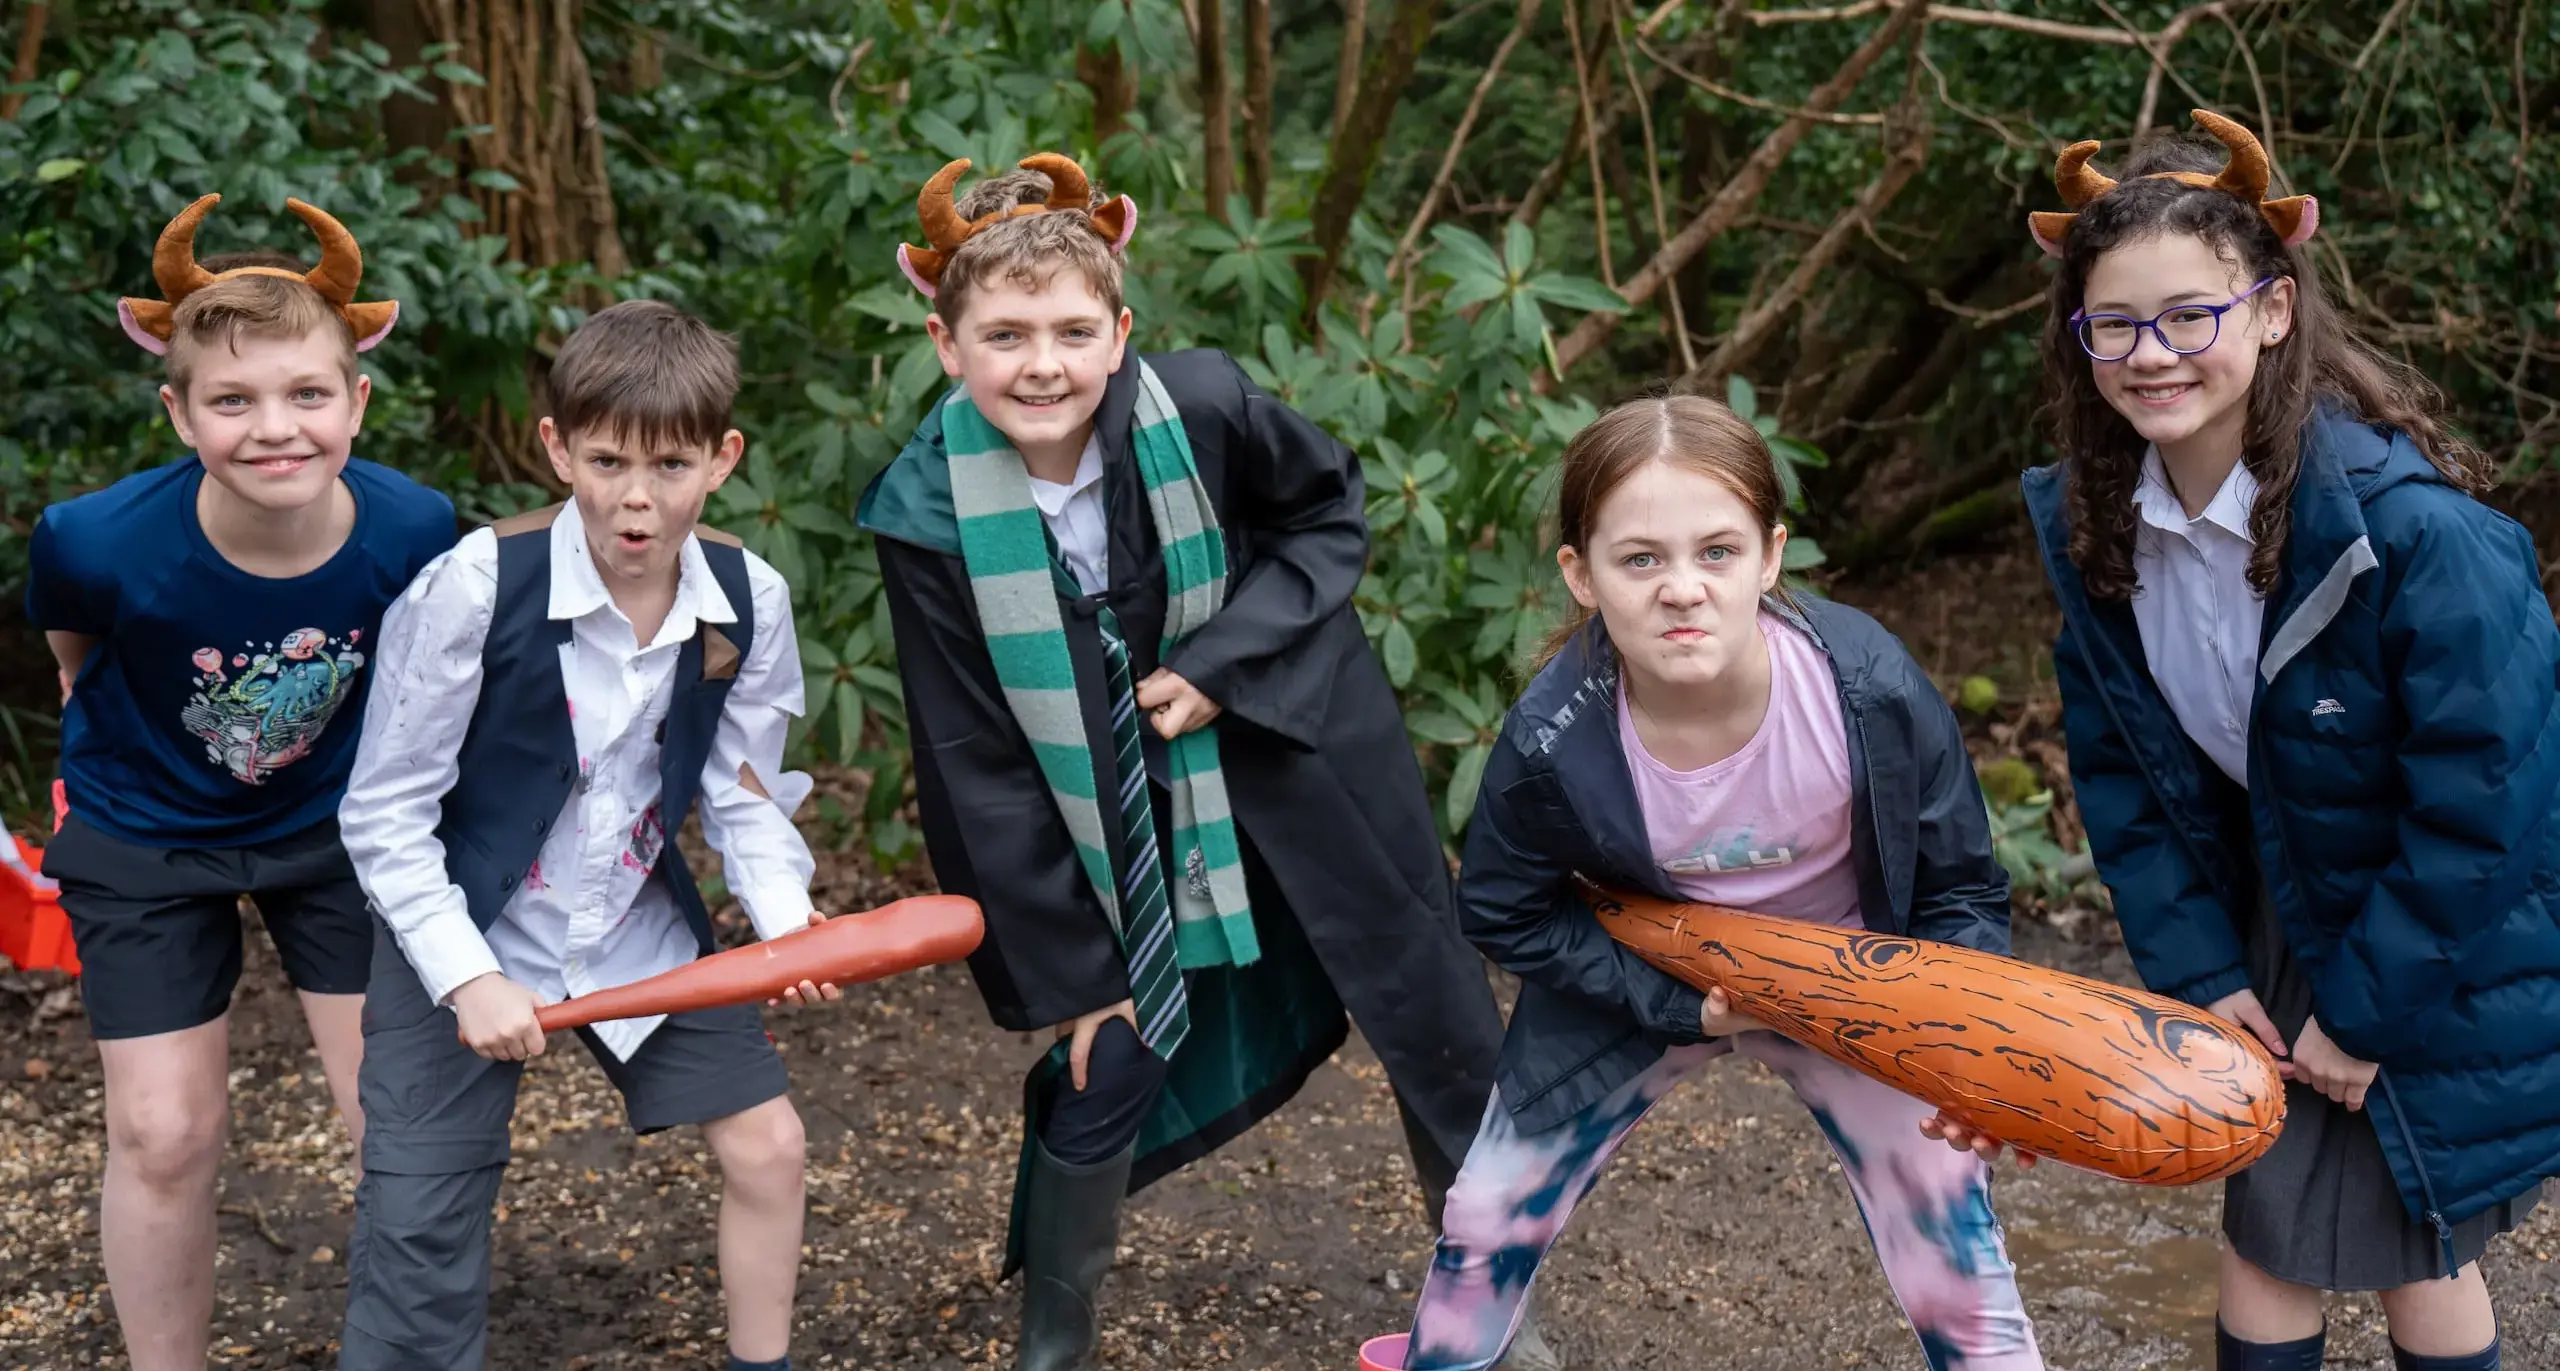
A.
pixel 2308 687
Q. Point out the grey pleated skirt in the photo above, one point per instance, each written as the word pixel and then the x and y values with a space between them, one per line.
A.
pixel 2321 1208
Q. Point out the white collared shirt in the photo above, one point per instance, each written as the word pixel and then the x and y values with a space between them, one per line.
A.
pixel 2196 612
pixel 1077 518
pixel 586 917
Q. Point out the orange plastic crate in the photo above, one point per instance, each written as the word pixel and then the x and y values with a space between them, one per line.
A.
pixel 35 935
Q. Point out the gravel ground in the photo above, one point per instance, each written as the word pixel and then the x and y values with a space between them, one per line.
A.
pixel 1722 1236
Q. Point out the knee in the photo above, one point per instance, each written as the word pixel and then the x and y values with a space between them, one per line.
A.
pixel 764 1151
pixel 1478 1210
pixel 169 1140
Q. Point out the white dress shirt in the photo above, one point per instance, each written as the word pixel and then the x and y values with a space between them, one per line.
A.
pixel 1077 518
pixel 2197 614
pixel 586 917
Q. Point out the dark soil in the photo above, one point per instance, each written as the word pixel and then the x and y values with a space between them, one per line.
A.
pixel 1722 1237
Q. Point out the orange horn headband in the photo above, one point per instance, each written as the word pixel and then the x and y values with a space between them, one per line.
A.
pixel 1069 189
pixel 2244 174
pixel 174 267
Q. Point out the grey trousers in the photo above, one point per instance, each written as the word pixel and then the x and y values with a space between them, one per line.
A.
pixel 435 1149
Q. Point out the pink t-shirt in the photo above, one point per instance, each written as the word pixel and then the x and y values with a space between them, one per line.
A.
pixel 1766 830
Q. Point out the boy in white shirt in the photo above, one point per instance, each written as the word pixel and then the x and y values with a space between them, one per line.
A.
pixel 553 696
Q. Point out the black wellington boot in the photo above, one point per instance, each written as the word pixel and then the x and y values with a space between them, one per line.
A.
pixel 1071 1227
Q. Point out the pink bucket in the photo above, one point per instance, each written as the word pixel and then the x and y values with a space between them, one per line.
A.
pixel 1383 1354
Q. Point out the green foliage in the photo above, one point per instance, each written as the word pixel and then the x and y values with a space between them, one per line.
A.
pixel 2022 840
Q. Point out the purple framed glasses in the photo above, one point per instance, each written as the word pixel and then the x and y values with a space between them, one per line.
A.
pixel 2183 329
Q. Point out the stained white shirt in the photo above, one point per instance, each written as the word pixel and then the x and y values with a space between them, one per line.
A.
pixel 586 916
pixel 1078 519
pixel 2195 610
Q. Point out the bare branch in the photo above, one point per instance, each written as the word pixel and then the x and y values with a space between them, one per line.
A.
pixel 1737 194
pixel 30 47
pixel 1752 328
pixel 1217 115
pixel 1590 142
pixel 2390 19
pixel 1724 92
pixel 2266 115
pixel 1653 184
pixel 1458 140
pixel 1257 105
pixel 1653 22
pixel 1953 14
pixel 1354 153
pixel 1346 67
pixel 1985 318
pixel 835 93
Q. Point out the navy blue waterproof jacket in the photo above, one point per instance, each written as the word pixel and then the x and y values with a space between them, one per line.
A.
pixel 1558 800
pixel 2404 757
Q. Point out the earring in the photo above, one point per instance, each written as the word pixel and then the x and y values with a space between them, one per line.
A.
pixel 2274 333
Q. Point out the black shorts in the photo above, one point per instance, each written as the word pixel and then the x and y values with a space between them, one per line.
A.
pixel 158 929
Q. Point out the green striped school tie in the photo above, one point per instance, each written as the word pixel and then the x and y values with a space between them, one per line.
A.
pixel 1146 915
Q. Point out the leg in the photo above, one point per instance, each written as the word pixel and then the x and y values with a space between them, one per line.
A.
pixel 435 1151
pixel 763 1179
pixel 159 938
pixel 2266 1324
pixel 1511 1201
pixel 716 1068
pixel 1071 1209
pixel 2446 1325
pixel 1436 1173
pixel 1927 1209
pixel 337 1030
pixel 168 1111
pixel 316 915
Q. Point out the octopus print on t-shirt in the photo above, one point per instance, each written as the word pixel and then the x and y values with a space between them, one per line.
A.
pixel 263 707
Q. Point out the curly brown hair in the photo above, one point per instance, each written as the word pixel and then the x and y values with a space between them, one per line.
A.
pixel 2324 360
pixel 1028 250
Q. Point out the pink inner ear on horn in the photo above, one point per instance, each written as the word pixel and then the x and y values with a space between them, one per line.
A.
pixel 133 329
pixel 914 277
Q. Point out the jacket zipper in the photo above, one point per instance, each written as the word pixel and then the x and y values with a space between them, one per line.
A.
pixel 2426 1186
pixel 2434 1216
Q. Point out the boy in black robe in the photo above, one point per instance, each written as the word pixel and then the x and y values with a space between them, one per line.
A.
pixel 1075 767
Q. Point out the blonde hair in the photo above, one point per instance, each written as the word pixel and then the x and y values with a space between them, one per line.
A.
pixel 1027 250
pixel 255 306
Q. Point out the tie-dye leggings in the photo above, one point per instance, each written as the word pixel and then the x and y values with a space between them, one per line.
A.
pixel 1927 1208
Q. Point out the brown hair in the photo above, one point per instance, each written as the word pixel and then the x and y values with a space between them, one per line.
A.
pixel 1690 430
pixel 648 373
pixel 1026 251
pixel 2323 359
pixel 257 306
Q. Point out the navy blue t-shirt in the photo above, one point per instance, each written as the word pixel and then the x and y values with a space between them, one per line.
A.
pixel 220 709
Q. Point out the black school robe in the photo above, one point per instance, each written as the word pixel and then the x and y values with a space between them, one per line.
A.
pixel 1329 802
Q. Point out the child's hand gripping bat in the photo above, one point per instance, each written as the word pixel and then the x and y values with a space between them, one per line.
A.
pixel 2121 1082
pixel 848 949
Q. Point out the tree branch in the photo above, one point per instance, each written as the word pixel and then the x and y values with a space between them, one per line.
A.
pixel 1355 145
pixel 1653 185
pixel 1590 142
pixel 30 47
pixel 1754 327
pixel 1217 120
pixel 1737 194
pixel 1257 104
pixel 1520 27
pixel 1724 92
pixel 1346 67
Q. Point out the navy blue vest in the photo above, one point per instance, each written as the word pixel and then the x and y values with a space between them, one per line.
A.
pixel 519 761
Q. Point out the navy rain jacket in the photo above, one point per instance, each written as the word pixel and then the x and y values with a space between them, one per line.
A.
pixel 1558 800
pixel 2404 754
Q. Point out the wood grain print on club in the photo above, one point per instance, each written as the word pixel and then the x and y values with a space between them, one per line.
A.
pixel 848 949
pixel 2121 1082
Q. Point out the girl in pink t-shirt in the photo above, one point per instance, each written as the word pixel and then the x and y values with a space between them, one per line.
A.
pixel 1704 736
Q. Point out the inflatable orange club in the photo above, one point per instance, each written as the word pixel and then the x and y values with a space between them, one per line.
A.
pixel 2121 1082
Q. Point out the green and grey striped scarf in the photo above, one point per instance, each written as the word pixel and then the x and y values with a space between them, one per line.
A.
pixel 1012 575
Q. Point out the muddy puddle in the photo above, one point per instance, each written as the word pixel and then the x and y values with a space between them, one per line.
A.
pixel 2138 1260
